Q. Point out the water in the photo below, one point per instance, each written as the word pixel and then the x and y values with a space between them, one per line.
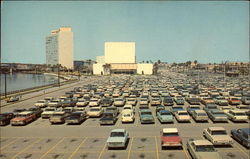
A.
pixel 17 81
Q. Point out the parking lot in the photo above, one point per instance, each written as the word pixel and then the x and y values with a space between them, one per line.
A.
pixel 40 139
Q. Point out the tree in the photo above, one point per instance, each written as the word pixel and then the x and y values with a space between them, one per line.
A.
pixel 159 61
pixel 195 62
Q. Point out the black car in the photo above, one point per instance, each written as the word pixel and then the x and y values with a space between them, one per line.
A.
pixel 106 102
pixel 5 118
pixel 76 118
pixel 108 118
pixel 69 102
pixel 37 111
pixel 168 101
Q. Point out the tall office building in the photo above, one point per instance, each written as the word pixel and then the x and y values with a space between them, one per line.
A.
pixel 59 47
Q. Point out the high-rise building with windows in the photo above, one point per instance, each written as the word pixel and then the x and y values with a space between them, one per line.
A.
pixel 59 47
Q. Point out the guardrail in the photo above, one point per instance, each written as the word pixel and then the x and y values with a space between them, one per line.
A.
pixel 33 89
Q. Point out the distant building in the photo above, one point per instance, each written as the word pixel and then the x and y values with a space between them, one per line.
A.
pixel 119 58
pixel 59 47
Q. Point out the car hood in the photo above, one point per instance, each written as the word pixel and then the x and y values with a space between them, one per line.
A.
pixel 116 139
pixel 166 117
pixel 208 155
pixel 171 139
pixel 18 118
pixel 147 116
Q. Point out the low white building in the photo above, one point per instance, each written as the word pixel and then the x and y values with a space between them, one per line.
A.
pixel 120 59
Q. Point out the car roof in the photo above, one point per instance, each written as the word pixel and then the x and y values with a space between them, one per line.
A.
pixel 216 128
pixel 118 130
pixel 202 142
pixel 169 130
pixel 199 111
pixel 246 130
pixel 237 111
pixel 25 112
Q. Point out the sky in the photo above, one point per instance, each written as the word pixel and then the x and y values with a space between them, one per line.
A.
pixel 169 31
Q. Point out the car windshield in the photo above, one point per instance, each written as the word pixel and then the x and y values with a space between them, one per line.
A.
pixel 205 148
pixel 202 114
pixel 57 115
pixel 127 115
pixel 146 113
pixel 81 100
pixel 218 113
pixel 219 132
pixel 170 134
pixel 49 109
pixel 119 99
pixel 117 134
pixel 235 99
pixel 194 108
pixel 22 115
pixel 165 113
pixel 183 113
pixel 94 110
pixel 108 115
pixel 177 108
pixel 93 100
pixel 40 101
pixel 240 114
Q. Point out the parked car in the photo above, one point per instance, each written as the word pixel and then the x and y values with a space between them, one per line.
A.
pixel 234 101
pixel 106 102
pixel 165 116
pixel 127 116
pixel 217 115
pixel 5 118
pixel 94 102
pixel 48 112
pixel 58 117
pixel 132 101
pixel 225 109
pixel 155 101
pixel 245 100
pixel 207 100
pixel 13 99
pixel 193 100
pixel 119 102
pixel 146 116
pixel 220 100
pixel 202 149
pixel 118 138
pixel 200 115
pixel 179 100
pixel 55 103
pixel 182 116
pixel 18 110
pixel 242 135
pixel 76 117
pixel 79 109
pixel 174 109
pixel 237 115
pixel 217 136
pixel 82 102
pixel 143 101
pixel 95 112
pixel 37 111
pixel 129 107
pixel 112 109
pixel 41 103
pixel 168 101
pixel 210 107
pixel 192 108
pixel 159 108
pixel 170 138
pixel 108 118
pixel 23 118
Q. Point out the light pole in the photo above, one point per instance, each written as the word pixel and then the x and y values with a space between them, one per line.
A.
pixel 5 85
pixel 58 75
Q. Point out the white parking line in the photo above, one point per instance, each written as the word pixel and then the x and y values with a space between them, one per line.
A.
pixel 52 148
pixel 77 148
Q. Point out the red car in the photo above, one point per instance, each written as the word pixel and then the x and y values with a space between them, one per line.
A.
pixel 234 101
pixel 170 138
pixel 23 118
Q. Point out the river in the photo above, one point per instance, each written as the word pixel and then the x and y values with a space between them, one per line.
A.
pixel 17 81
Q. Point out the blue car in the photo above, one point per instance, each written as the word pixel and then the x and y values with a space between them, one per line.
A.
pixel 146 116
pixel 165 116
pixel 242 135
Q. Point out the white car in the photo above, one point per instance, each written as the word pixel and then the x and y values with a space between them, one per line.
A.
pixel 82 102
pixel 129 107
pixel 94 102
pixel 127 116
pixel 41 103
pixel 217 135
pixel 200 115
pixel 48 112
pixel 202 149
pixel 95 112
pixel 55 103
pixel 237 115
pixel 119 102
pixel 182 116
